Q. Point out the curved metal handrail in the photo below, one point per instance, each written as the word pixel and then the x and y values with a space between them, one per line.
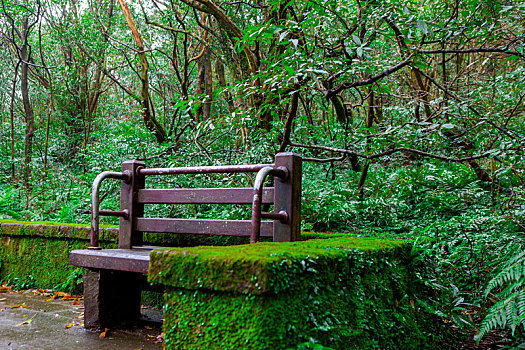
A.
pixel 280 172
pixel 95 202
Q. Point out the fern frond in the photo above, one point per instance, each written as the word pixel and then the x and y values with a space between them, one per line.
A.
pixel 510 310
pixel 514 270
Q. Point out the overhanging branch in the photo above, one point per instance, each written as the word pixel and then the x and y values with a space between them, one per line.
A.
pixel 372 80
pixel 392 151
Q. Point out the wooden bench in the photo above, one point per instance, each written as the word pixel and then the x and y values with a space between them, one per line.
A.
pixel 114 278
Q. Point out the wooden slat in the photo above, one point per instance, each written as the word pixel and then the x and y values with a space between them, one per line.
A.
pixel 202 196
pixel 203 227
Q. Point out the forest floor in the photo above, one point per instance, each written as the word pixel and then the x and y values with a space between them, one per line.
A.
pixel 38 319
pixel 495 339
pixel 43 319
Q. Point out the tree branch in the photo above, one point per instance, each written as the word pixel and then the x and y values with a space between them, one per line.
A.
pixel 392 151
pixel 473 50
pixel 372 80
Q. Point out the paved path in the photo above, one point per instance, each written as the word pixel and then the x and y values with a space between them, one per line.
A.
pixel 29 321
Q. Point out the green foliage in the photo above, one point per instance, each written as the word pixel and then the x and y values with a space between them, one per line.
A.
pixel 9 206
pixel 21 283
pixel 73 284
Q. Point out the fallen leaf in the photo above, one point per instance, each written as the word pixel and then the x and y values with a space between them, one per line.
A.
pixel 70 325
pixel 14 306
pixel 160 338
pixel 103 334
pixel 26 321
pixel 148 327
pixel 76 302
pixel 23 305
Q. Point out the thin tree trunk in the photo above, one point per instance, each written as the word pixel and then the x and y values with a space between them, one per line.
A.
pixel 28 109
pixel 12 113
pixel 51 98
pixel 208 84
pixel 147 107
pixel 221 78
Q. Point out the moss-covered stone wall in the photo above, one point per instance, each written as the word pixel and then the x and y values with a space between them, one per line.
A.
pixel 339 293
pixel 37 253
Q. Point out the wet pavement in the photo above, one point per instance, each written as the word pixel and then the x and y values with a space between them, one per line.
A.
pixel 44 320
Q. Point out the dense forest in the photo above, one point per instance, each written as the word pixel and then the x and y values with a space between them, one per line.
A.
pixel 409 116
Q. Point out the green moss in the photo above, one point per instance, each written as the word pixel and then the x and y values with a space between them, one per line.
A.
pixel 39 251
pixel 306 235
pixel 42 259
pixel 54 230
pixel 343 292
pixel 248 268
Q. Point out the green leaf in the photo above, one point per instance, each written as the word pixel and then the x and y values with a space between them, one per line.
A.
pixel 421 25
pixel 356 39
pixel 290 70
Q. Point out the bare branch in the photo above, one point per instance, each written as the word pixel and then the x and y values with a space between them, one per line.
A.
pixel 372 80
pixel 473 50
pixel 392 151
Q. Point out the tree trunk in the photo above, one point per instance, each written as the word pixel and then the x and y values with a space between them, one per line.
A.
pixel 147 106
pixel 28 109
pixel 221 78
pixel 12 114
pixel 208 82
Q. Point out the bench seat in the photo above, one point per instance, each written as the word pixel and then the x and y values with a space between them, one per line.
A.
pixel 131 260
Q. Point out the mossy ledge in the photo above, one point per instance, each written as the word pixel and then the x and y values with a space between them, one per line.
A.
pixel 37 253
pixel 342 293
pixel 55 230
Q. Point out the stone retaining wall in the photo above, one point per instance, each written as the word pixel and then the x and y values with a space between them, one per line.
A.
pixel 335 293
pixel 37 253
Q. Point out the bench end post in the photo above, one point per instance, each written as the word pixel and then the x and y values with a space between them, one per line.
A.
pixel 287 197
pixel 128 237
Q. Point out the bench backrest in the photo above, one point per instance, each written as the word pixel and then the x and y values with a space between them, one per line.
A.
pixel 285 197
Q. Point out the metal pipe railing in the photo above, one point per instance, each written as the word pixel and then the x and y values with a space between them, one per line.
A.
pixel 279 172
pixel 95 202
pixel 204 169
pixel 263 170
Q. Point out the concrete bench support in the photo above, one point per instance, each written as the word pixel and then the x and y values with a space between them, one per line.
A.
pixel 111 298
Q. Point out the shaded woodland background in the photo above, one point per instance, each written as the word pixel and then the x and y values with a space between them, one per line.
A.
pixel 409 115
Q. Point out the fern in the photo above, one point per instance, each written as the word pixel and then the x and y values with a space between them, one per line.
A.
pixel 9 205
pixel 510 310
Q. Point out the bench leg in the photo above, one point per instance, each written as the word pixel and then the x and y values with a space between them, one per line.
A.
pixel 110 298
